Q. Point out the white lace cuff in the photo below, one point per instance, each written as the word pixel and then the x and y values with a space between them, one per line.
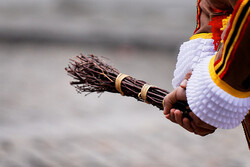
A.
pixel 211 103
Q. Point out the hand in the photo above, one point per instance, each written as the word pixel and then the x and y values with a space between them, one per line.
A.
pixel 196 126
pixel 179 94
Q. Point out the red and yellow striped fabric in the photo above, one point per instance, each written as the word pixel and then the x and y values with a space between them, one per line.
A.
pixel 233 58
pixel 238 23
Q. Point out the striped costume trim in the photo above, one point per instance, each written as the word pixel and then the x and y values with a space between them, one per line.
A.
pixel 238 23
pixel 198 16
pixel 223 85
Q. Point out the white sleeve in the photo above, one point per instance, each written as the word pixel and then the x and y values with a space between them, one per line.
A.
pixel 191 53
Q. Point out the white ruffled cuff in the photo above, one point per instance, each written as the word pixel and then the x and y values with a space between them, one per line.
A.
pixel 212 104
pixel 191 53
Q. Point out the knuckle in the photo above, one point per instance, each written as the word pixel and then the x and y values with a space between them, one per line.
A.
pixel 165 100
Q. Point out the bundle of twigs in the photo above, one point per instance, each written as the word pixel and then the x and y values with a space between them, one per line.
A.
pixel 91 74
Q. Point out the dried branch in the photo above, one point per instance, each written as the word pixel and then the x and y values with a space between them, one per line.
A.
pixel 92 74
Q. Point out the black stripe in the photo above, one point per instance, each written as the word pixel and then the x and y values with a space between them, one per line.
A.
pixel 231 40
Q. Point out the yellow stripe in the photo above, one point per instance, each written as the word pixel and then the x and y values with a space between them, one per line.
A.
pixel 229 36
pixel 223 85
pixel 225 22
pixel 236 39
pixel 202 35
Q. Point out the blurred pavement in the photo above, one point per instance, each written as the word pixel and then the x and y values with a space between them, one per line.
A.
pixel 158 24
pixel 45 123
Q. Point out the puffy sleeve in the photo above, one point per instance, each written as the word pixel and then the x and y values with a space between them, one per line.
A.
pixel 218 91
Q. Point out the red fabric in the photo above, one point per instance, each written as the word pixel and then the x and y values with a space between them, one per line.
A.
pixel 216 24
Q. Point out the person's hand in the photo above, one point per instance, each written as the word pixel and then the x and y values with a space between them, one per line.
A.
pixel 196 125
pixel 178 94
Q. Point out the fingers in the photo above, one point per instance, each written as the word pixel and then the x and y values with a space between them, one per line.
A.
pixel 200 128
pixel 192 127
pixel 172 115
pixel 188 75
pixel 195 126
pixel 187 125
pixel 169 100
pixel 199 123
pixel 201 131
pixel 178 117
pixel 168 116
pixel 183 84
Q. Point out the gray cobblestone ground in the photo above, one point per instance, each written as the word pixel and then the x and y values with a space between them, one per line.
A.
pixel 156 24
pixel 44 123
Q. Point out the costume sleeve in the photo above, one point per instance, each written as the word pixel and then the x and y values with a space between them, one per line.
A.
pixel 218 91
pixel 199 46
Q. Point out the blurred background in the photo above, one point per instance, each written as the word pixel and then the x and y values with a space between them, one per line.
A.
pixel 45 123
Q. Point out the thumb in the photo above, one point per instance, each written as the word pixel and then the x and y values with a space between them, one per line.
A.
pixel 180 94
pixel 169 101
